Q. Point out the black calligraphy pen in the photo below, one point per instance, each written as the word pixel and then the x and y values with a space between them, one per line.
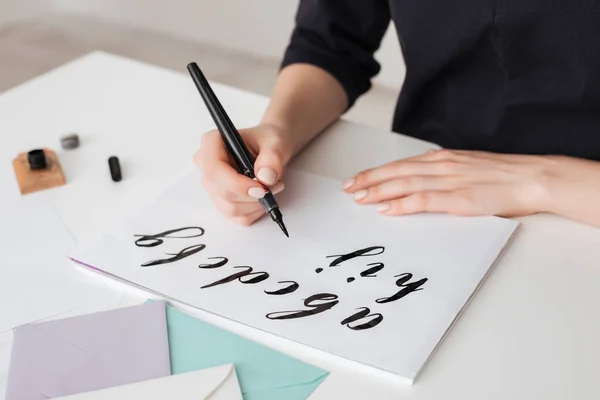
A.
pixel 233 141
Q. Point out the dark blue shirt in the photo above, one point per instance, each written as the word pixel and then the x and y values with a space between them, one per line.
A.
pixel 509 76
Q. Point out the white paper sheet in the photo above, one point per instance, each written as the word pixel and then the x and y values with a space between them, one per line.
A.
pixel 37 280
pixel 453 255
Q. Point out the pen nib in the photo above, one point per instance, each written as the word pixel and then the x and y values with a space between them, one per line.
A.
pixel 278 218
pixel 282 226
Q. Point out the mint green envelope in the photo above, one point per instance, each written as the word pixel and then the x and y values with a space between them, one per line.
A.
pixel 263 373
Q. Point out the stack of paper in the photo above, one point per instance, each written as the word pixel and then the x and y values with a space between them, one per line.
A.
pixel 130 353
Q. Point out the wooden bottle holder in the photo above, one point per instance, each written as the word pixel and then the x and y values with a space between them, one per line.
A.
pixel 35 180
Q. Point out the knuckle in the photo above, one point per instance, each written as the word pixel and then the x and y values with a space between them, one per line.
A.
pixel 443 154
pixel 397 206
pixel 374 192
pixel 275 141
pixel 467 204
pixel 269 129
pixel 423 200
pixel 399 166
pixel 362 177
pixel 454 182
pixel 446 153
pixel 467 196
pixel 411 181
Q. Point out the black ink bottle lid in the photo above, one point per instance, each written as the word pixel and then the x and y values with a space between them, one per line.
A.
pixel 37 159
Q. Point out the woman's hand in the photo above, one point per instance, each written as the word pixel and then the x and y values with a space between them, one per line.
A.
pixel 234 194
pixel 479 183
pixel 304 101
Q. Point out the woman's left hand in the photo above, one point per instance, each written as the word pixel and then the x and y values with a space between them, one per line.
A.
pixel 480 183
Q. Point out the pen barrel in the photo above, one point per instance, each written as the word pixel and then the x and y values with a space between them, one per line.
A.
pixel 233 141
pixel 231 137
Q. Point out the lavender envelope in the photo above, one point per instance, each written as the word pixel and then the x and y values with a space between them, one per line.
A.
pixel 91 352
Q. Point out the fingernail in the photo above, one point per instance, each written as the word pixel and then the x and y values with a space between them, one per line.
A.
pixel 348 183
pixel 361 194
pixel 279 186
pixel 267 175
pixel 383 207
pixel 256 192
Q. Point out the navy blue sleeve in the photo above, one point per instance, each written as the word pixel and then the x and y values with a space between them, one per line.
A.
pixel 340 37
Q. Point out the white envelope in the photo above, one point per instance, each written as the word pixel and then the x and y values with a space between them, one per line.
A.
pixel 217 383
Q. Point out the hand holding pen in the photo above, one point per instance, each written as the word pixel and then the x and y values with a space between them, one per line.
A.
pixel 230 174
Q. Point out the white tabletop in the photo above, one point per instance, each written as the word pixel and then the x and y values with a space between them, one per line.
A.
pixel 532 331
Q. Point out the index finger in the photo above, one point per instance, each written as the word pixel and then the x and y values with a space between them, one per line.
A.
pixel 398 169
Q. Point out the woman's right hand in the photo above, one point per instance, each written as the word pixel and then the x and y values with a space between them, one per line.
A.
pixel 234 194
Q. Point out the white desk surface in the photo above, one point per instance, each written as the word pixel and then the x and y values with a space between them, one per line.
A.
pixel 531 332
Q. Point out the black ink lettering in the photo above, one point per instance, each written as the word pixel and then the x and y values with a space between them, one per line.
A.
pixel 350 280
pixel 260 276
pixel 358 253
pixel 316 308
pixel 215 265
pixel 319 270
pixel 407 288
pixel 155 240
pixel 291 288
pixel 364 313
pixel 241 277
pixel 368 273
pixel 188 251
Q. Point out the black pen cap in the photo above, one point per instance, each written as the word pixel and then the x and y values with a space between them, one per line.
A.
pixel 115 169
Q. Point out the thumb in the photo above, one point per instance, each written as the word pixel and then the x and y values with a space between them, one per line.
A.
pixel 268 166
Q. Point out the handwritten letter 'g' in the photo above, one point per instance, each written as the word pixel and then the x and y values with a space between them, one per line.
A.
pixel 378 290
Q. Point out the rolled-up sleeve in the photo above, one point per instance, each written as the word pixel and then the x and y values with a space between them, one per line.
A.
pixel 340 37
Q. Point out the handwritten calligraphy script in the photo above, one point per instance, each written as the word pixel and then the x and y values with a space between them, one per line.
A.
pixel 315 304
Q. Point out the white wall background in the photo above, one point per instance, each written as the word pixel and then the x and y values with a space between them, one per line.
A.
pixel 242 25
pixel 13 10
